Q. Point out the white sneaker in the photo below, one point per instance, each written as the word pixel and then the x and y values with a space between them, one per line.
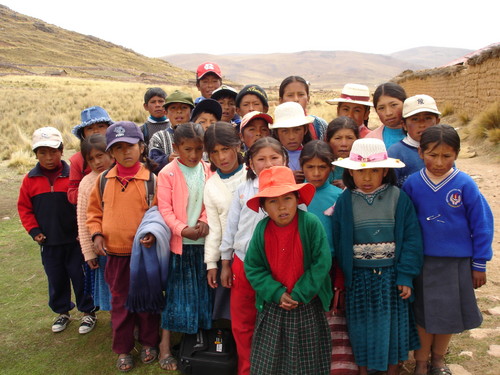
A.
pixel 87 324
pixel 61 323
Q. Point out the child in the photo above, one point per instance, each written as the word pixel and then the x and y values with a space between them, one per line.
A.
pixel 180 201
pixel 178 107
pixel 94 153
pixel 296 89
pixel 340 135
pixel 287 264
pixel 457 228
pixel 354 102
pixel 241 222
pixel 95 120
pixel 378 246
pixel 388 101
pixel 254 125
pixel 154 100
pixel 208 79
pixel 113 220
pixel 50 219
pixel 206 113
pixel 226 96
pixel 290 127
pixel 251 98
pixel 419 112
pixel 222 145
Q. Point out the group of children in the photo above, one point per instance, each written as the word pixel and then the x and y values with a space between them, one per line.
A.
pixel 213 209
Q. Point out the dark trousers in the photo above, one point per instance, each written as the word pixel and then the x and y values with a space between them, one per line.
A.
pixel 63 265
pixel 117 275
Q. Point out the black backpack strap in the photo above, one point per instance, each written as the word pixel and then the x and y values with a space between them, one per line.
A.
pixel 150 186
pixel 102 184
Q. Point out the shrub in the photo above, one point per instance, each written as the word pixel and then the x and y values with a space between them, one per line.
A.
pixel 464 118
pixel 448 109
pixel 487 124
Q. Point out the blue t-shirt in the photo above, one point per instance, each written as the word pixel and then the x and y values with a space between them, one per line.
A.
pixel 391 136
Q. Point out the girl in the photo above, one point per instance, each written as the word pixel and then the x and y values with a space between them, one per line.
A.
pixel 388 101
pixel 340 135
pixel 457 228
pixel 222 145
pixel 296 89
pixel 95 120
pixel 287 264
pixel 378 246
pixel 241 221
pixel 113 219
pixel 180 201
pixel 290 128
pixel 94 153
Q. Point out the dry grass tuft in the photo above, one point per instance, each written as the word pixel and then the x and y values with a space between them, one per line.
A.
pixel 486 125
pixel 447 109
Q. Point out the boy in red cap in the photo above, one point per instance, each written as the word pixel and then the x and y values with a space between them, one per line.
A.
pixel 208 79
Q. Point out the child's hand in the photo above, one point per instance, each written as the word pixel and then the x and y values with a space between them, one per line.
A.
pixel 148 240
pixel 405 291
pixel 40 238
pixel 226 274
pixel 190 232
pixel 202 229
pixel 93 264
pixel 212 278
pixel 299 176
pixel 287 302
pixel 339 184
pixel 478 279
pixel 99 245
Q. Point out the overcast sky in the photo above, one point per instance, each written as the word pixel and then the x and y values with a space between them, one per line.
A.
pixel 165 27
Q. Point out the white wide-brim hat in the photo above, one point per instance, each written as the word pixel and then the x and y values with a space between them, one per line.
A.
pixel 353 93
pixel 290 115
pixel 368 153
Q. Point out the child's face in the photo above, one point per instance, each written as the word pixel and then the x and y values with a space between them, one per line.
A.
pixel 253 131
pixel 295 92
pixel 99 160
pixel 359 113
pixel 228 108
pixel 205 119
pixel 190 151
pixel 178 113
pixel 126 154
pixel 390 111
pixel 155 106
pixel 281 209
pixel 316 171
pixel 438 159
pixel 368 180
pixel 97 128
pixel 266 157
pixel 291 138
pixel 208 84
pixel 416 124
pixel 48 157
pixel 224 157
pixel 249 103
pixel 341 143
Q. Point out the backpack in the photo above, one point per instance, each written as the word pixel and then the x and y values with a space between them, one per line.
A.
pixel 149 186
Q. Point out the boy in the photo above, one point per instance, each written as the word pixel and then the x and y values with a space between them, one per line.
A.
pixel 206 113
pixel 254 125
pixel 419 113
pixel 154 100
pixel 354 102
pixel 50 219
pixel 226 96
pixel 208 79
pixel 178 107
pixel 251 98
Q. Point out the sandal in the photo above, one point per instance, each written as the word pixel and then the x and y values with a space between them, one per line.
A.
pixel 149 354
pixel 125 364
pixel 168 362
pixel 445 370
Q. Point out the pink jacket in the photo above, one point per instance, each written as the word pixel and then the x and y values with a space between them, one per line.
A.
pixel 377 133
pixel 173 200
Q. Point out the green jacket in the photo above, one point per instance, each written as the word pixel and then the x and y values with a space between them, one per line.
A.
pixel 317 262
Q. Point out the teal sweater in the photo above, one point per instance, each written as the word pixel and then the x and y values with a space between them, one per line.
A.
pixel 317 262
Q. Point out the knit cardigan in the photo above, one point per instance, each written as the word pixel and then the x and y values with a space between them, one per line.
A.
pixel 86 186
pixel 317 262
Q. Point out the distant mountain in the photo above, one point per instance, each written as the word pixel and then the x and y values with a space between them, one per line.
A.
pixel 430 57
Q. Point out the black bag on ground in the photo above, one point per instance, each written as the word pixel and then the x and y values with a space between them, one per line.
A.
pixel 208 352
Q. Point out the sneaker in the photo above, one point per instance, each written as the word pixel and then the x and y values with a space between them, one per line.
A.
pixel 87 324
pixel 61 323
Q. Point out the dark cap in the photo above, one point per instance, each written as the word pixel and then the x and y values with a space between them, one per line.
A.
pixel 207 105
pixel 255 90
pixel 123 131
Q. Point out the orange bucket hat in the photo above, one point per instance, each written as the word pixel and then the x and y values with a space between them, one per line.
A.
pixel 279 180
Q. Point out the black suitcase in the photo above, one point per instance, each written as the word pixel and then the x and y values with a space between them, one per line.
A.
pixel 208 352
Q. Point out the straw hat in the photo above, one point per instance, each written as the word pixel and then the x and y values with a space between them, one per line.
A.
pixel 290 115
pixel 353 93
pixel 368 153
pixel 279 180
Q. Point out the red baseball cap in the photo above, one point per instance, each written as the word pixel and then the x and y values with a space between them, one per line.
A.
pixel 208 67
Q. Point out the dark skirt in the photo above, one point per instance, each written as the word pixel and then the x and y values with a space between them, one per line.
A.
pixel 222 297
pixel 445 302
pixel 291 342
pixel 189 299
pixel 381 325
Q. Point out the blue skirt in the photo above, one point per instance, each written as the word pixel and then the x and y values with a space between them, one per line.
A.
pixel 189 299
pixel 102 295
pixel 381 325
